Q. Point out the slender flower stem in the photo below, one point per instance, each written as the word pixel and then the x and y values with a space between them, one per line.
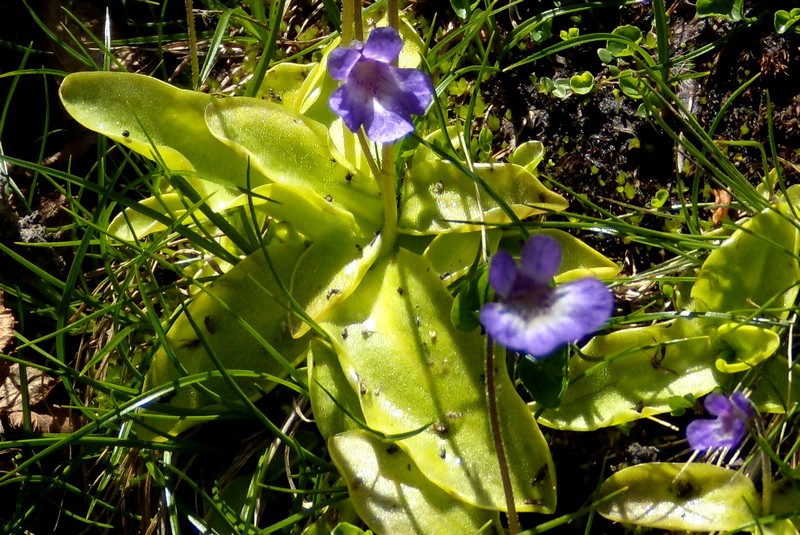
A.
pixel 359 24
pixel 386 184
pixel 365 148
pixel 192 44
pixel 394 14
pixel 347 22
pixel 497 438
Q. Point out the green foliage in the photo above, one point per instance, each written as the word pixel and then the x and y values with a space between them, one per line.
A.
pixel 581 84
pixel 545 379
pixel 462 8
pixel 401 308
pixel 728 9
pixel 684 497
pixel 786 20
pixel 620 49
pixel 635 373
pixel 399 498
pixel 267 211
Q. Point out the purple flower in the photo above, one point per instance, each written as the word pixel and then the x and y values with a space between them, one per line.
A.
pixel 375 93
pixel 531 315
pixel 730 426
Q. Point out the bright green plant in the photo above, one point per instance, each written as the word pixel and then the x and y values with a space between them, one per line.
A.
pixel 786 20
pixel 317 274
pixel 352 273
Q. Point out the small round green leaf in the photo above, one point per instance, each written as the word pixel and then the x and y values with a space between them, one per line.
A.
pixel 581 84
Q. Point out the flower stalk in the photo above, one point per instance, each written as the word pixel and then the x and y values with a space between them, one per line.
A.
pixel 497 438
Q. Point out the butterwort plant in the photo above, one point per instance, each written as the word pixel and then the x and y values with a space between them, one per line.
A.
pixel 728 428
pixel 532 315
pixel 375 93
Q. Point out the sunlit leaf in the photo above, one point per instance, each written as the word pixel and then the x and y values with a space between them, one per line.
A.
pixel 679 496
pixel 756 266
pixel 282 83
pixel 152 117
pixel 328 272
pixel 292 150
pixel 326 383
pixel 528 155
pixel 451 255
pixel 133 224
pixel 412 369
pixel 392 495
pixel 633 373
pixel 784 20
pixel 581 84
pixel 438 197
pixel 579 260
pixel 740 347
pixel 247 295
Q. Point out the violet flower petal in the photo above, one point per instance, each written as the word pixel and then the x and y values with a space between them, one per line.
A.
pixel 341 61
pixel 587 302
pixel 727 429
pixel 538 325
pixel 718 405
pixel 744 406
pixel 383 44
pixel 386 125
pixel 417 90
pixel 374 93
pixel 502 273
pixel 705 434
pixel 531 316
pixel 540 258
pixel 347 102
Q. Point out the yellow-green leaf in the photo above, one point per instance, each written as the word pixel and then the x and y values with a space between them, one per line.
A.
pixel 156 120
pixel 438 197
pixel 292 150
pixel 679 496
pixel 632 374
pixel 413 370
pixel 740 347
pixel 229 315
pixel 392 495
pixel 326 379
pixel 757 266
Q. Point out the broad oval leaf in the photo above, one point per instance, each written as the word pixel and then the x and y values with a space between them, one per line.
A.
pixel 327 273
pixel 335 405
pixel 283 82
pixel 756 266
pixel 237 317
pixel 292 150
pixel 528 155
pixel 679 496
pixel 633 373
pixel 438 197
pixel 137 222
pixel 451 255
pixel 156 120
pixel 413 370
pixel 578 260
pixel 392 495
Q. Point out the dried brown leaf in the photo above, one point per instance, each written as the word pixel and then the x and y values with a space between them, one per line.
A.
pixel 39 385
pixel 6 325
